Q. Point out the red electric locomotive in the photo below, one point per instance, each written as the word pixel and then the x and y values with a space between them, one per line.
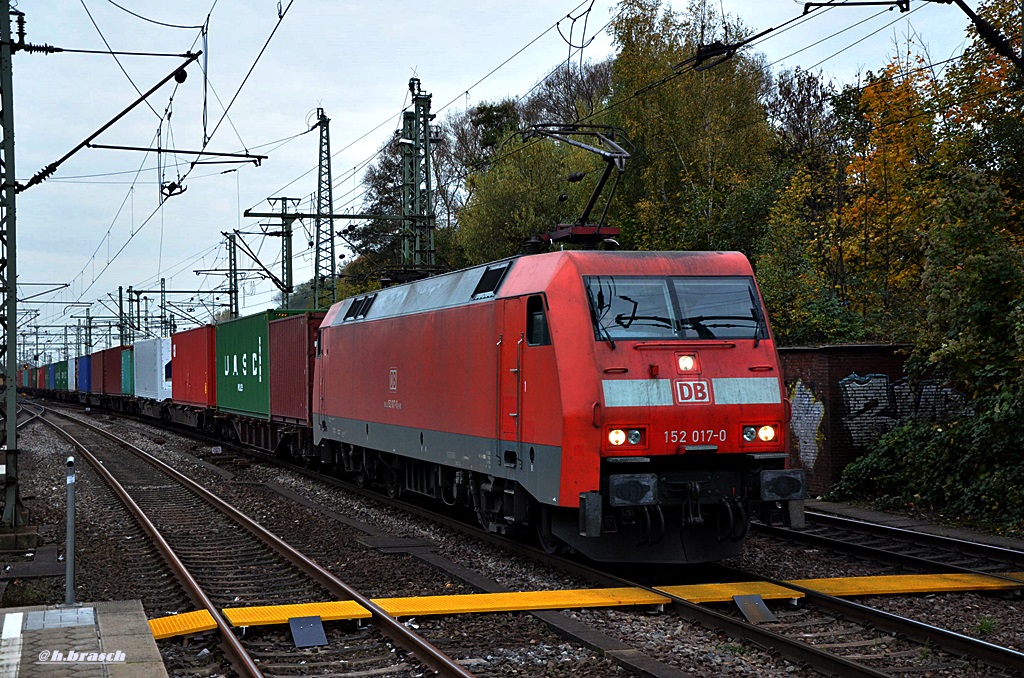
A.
pixel 626 404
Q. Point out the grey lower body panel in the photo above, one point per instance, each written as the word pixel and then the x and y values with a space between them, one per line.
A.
pixel 537 468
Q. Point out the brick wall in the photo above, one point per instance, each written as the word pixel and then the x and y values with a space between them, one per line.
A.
pixel 843 398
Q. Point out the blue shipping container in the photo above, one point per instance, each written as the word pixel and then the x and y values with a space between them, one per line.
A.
pixel 51 377
pixel 85 374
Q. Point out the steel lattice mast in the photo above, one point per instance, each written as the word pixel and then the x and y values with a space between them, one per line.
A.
pixel 232 276
pixel 417 193
pixel 8 273
pixel 325 292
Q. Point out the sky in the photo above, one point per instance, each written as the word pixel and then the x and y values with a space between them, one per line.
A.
pixel 98 222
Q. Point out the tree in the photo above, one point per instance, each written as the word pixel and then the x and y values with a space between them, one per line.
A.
pixel 524 193
pixel 379 240
pixel 701 178
pixel 889 182
pixel 569 93
pixel 517 189
pixel 804 306
pixel 983 110
pixel 974 274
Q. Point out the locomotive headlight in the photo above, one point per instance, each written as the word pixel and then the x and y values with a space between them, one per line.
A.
pixel 686 363
pixel 626 436
pixel 764 434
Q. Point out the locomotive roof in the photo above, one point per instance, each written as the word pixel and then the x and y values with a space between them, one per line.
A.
pixel 526 275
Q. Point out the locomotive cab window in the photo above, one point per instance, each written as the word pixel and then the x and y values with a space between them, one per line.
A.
pixel 536 323
pixel 685 307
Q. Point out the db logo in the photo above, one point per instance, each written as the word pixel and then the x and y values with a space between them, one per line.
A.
pixel 393 379
pixel 693 392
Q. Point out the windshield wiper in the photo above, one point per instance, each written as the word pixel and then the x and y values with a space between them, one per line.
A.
pixel 601 330
pixel 696 323
pixel 627 321
pixel 755 310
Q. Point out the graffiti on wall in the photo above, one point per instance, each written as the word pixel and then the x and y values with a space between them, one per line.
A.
pixel 874 405
pixel 871 405
pixel 868 410
pixel 808 413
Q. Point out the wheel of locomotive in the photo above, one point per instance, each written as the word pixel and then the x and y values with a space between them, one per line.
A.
pixel 361 478
pixel 391 484
pixel 548 542
pixel 488 520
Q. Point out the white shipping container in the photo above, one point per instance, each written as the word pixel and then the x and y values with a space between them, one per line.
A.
pixel 153 368
pixel 72 374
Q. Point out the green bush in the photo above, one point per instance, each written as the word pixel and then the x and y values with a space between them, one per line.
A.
pixel 970 468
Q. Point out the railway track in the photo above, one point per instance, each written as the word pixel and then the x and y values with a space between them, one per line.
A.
pixel 833 636
pixel 223 559
pixel 887 643
pixel 916 550
pixel 829 635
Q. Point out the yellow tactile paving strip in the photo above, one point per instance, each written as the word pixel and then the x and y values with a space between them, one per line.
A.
pixel 184 624
pixel 280 614
pixel 911 583
pixel 583 598
pixel 524 600
pixel 721 593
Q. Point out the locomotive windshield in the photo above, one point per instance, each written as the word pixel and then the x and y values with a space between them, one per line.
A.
pixel 629 308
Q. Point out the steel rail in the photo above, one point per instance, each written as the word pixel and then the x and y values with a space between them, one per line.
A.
pixel 927 538
pixel 915 561
pixel 789 648
pixel 944 639
pixel 32 416
pixel 391 627
pixel 793 650
pixel 230 643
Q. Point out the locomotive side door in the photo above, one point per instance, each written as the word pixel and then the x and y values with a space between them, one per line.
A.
pixel 512 324
pixel 319 367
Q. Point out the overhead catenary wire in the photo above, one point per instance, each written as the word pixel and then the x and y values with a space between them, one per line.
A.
pixel 152 21
pixel 192 165
pixel 494 70
pixel 385 123
pixel 111 51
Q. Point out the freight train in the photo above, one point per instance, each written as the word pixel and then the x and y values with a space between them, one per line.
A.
pixel 628 406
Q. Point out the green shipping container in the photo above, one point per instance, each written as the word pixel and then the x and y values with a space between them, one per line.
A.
pixel 128 371
pixel 60 376
pixel 243 363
